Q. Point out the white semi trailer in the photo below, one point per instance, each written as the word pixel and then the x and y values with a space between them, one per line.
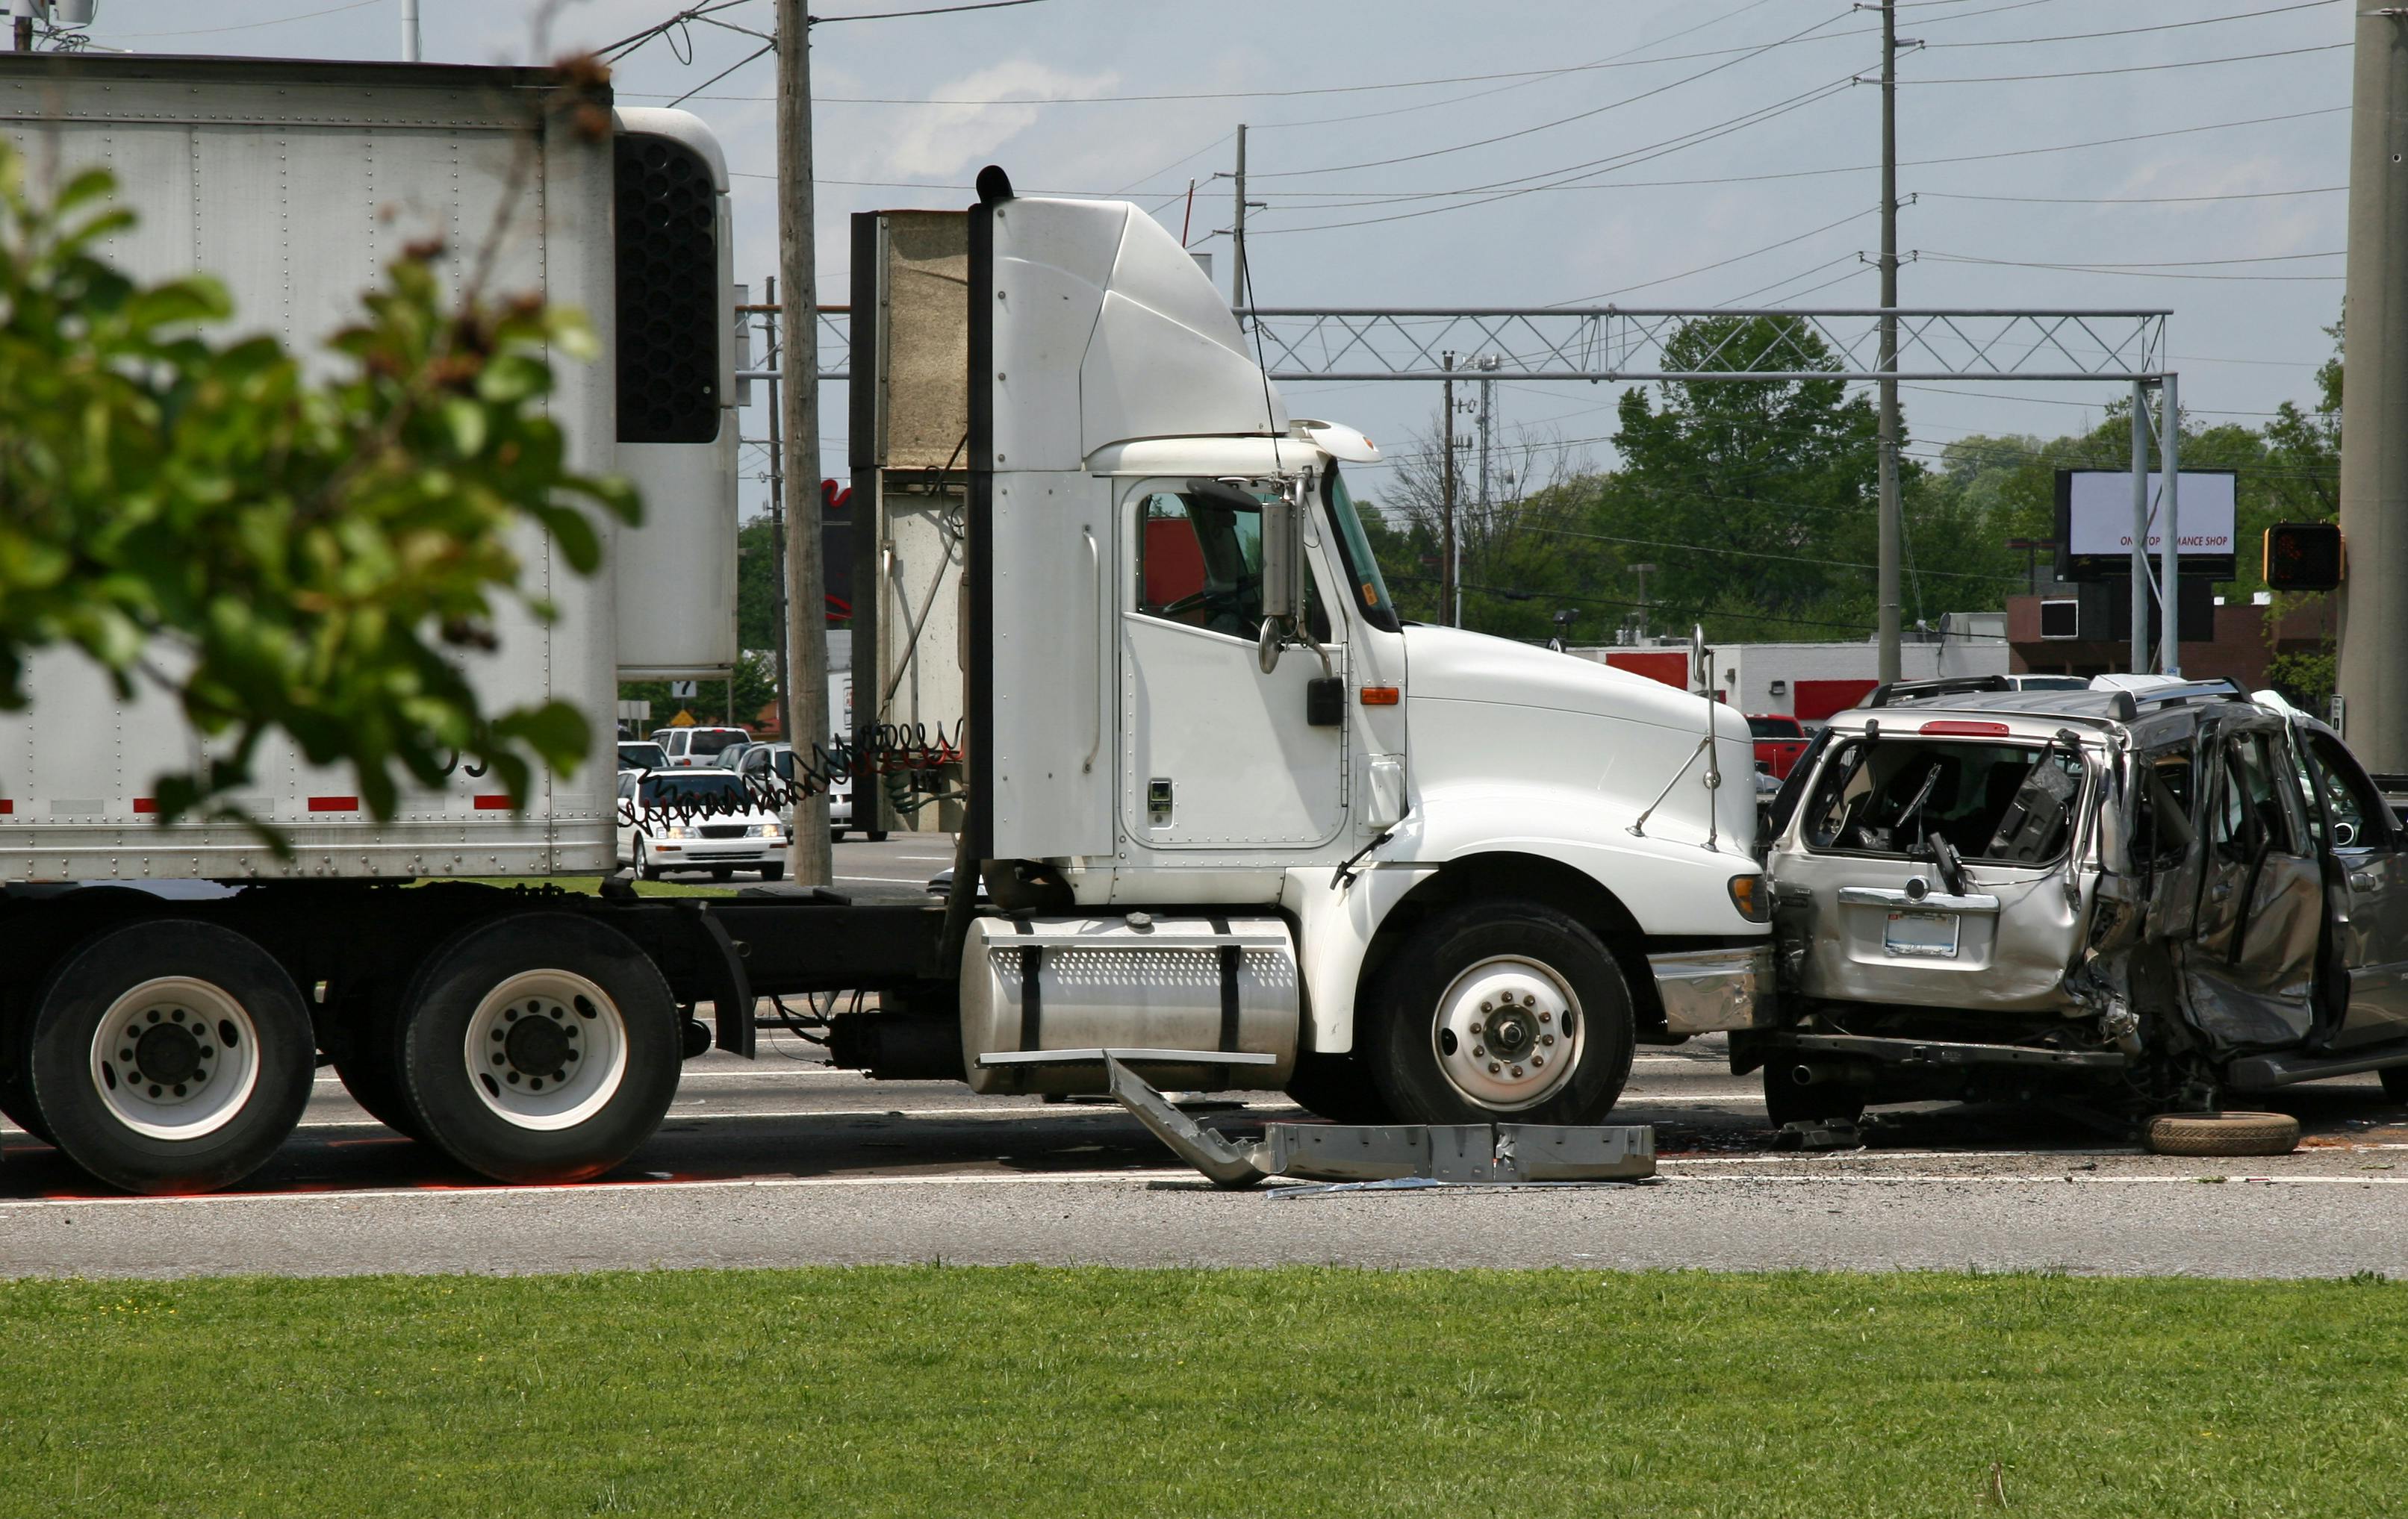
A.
pixel 1240 823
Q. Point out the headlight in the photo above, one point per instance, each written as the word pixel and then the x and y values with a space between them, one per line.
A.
pixel 1752 896
pixel 675 830
pixel 764 830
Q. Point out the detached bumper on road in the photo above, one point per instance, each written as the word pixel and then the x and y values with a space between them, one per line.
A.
pixel 1708 991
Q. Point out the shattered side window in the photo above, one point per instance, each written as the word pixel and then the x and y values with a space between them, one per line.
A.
pixel 2011 803
pixel 2248 812
pixel 2164 785
pixel 2351 808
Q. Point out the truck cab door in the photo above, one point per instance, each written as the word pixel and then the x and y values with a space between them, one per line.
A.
pixel 2348 818
pixel 2248 964
pixel 1216 754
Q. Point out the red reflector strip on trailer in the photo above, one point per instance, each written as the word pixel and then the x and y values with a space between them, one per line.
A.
pixel 334 803
pixel 146 804
pixel 1381 695
pixel 1966 730
pixel 6 806
pixel 494 804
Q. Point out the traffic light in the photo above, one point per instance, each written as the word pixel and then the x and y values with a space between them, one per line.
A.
pixel 2303 556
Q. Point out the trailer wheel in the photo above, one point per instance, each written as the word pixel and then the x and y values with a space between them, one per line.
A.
pixel 1496 1010
pixel 17 1072
pixel 366 1052
pixel 542 1048
pixel 170 1056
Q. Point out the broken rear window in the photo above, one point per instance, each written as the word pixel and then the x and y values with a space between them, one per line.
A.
pixel 2009 803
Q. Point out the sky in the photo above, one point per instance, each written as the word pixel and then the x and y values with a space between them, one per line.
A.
pixel 1364 114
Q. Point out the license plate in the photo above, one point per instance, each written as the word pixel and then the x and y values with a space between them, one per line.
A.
pixel 1932 935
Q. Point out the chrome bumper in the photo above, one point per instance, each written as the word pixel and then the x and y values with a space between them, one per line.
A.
pixel 1706 991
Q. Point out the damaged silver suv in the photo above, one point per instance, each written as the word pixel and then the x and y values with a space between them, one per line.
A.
pixel 2140 897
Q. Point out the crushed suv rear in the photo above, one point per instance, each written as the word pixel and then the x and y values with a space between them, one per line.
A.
pixel 2153 894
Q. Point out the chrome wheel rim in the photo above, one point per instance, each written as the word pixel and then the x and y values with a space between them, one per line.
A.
pixel 174 1058
pixel 546 1050
pixel 1508 1032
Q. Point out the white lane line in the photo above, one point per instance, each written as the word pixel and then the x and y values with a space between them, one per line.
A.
pixel 532 1193
pixel 2061 1179
pixel 1044 1178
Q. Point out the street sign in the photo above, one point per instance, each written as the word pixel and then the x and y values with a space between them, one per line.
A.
pixel 685 690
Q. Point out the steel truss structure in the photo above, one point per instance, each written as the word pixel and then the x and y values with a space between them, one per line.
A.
pixel 1610 343
pixel 1627 345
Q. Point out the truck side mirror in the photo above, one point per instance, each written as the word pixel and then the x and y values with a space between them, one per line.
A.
pixel 1284 572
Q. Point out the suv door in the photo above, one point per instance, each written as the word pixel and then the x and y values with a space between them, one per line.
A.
pixel 2248 963
pixel 2347 816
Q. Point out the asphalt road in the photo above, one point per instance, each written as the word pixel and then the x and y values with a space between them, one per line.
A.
pixel 786 1161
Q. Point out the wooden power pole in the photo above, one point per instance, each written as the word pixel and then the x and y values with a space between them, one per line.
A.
pixel 1892 523
pixel 810 858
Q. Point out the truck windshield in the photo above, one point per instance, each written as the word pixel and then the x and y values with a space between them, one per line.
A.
pixel 1362 569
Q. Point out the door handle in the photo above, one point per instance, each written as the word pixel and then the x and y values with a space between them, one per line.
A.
pixel 1095 664
pixel 2360 880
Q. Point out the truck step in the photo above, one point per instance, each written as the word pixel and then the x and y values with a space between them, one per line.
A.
pixel 2259 1072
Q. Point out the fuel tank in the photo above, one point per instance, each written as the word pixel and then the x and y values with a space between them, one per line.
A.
pixel 1202 985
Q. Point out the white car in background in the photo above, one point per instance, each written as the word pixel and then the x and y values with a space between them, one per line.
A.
pixel 757 761
pixel 697 747
pixel 641 755
pixel 696 820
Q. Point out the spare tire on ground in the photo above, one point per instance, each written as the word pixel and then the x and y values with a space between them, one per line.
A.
pixel 2221 1134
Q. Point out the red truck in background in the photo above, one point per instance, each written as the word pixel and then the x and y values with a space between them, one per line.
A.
pixel 1779 742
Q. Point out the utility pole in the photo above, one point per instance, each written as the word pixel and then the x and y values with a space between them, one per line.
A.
pixel 1891 526
pixel 2170 553
pixel 776 512
pixel 20 13
pixel 2140 657
pixel 1237 230
pixel 2375 404
pixel 810 856
pixel 1487 520
pixel 410 31
pixel 1449 595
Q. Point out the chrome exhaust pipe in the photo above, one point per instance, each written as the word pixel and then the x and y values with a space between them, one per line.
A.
pixel 1830 1073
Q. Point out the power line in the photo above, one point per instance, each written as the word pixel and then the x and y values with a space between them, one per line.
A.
pixel 2133 68
pixel 1563 121
pixel 2144 272
pixel 2136 200
pixel 252 27
pixel 2131 31
pixel 1736 258
pixel 934 10
pixel 762 52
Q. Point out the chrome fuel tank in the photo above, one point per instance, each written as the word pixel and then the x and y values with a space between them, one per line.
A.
pixel 1185 984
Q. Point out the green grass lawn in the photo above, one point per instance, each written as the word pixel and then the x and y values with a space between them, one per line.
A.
pixel 987 1391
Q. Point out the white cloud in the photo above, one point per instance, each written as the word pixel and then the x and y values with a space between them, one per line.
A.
pixel 940 141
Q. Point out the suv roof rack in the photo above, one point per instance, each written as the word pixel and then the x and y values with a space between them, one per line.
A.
pixel 1954 685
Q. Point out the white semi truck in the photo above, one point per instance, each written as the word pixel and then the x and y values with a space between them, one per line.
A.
pixel 1240 824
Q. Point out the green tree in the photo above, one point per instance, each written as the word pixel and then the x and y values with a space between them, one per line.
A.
pixel 309 559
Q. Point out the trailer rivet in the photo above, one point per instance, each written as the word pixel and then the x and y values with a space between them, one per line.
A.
pixel 498 1034
pixel 154 1089
pixel 177 1016
pixel 1537 1061
pixel 179 1089
pixel 1546 1039
pixel 1529 999
pixel 126 1055
pixel 1488 1006
pixel 1517 1071
pixel 1476 1027
pixel 154 1015
pixel 1479 1052
pixel 1493 1067
pixel 1546 1017
pixel 570 1030
pixel 510 1015
pixel 512 1078
pixel 572 1054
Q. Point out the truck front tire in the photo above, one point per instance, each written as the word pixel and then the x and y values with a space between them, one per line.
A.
pixel 170 1056
pixel 1501 1011
pixel 540 1048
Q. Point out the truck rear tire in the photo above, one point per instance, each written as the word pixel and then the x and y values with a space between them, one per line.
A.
pixel 170 1056
pixel 1338 1088
pixel 542 1048
pixel 1501 1010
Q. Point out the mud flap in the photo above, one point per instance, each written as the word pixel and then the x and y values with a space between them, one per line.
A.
pixel 723 972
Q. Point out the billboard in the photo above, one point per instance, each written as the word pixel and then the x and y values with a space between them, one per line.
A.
pixel 2094 523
